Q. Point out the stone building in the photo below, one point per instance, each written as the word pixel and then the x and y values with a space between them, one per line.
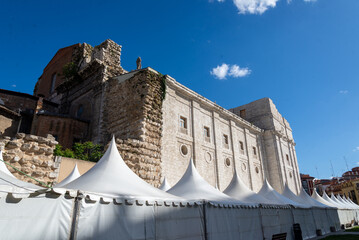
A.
pixel 160 124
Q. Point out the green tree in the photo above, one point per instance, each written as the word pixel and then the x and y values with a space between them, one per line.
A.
pixel 87 151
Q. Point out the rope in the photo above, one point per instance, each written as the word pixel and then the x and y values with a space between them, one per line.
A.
pixel 42 183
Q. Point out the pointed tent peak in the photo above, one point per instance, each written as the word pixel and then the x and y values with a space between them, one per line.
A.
pixel 238 190
pixel 71 177
pixel 111 175
pixel 193 186
pixel 266 186
pixel 75 171
pixel 165 185
pixel 237 183
pixel 315 193
pixel 3 167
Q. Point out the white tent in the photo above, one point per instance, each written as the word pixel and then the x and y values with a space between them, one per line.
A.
pixel 272 195
pixel 3 167
pixel 119 204
pixel 192 186
pixel 304 195
pixel 339 203
pixel 224 217
pixel 27 212
pixel 238 190
pixel 164 185
pixel 72 176
pixel 318 198
pixel 111 176
pixel 331 201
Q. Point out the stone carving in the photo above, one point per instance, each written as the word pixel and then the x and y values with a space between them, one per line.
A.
pixel 138 62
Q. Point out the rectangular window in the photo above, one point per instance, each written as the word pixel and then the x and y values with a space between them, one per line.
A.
pixel 255 152
pixel 225 141
pixel 183 122
pixel 287 157
pixel 241 147
pixel 206 133
pixel 183 125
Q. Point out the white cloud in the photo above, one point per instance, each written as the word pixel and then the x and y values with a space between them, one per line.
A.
pixel 254 6
pixel 236 71
pixel 310 0
pixel 220 0
pixel 356 149
pixel 13 85
pixel 221 72
pixel 343 91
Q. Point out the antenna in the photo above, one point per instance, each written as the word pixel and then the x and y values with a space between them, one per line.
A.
pixel 316 168
pixel 346 163
pixel 331 164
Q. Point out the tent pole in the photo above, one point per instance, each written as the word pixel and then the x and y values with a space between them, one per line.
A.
pixel 205 220
pixel 75 215
pixel 260 218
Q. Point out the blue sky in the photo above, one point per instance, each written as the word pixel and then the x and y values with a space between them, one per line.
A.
pixel 302 54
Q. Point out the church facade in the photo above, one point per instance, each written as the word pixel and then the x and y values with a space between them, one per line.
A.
pixel 159 124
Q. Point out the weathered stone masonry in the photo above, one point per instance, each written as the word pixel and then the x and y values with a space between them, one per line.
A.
pixel 32 155
pixel 133 113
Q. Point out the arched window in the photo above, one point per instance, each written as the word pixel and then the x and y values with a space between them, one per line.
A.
pixel 80 110
pixel 53 82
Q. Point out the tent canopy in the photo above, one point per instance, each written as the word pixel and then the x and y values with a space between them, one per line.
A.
pixel 276 198
pixel 72 176
pixel 192 186
pixel 238 190
pixel 322 200
pixel 164 185
pixel 111 176
pixel 304 195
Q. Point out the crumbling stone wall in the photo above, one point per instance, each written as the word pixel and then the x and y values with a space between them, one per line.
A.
pixel 133 113
pixel 32 155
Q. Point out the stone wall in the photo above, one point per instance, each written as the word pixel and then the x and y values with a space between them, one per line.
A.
pixel 32 155
pixel 133 113
pixel 202 139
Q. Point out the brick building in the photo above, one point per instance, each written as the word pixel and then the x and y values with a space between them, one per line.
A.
pixel 307 183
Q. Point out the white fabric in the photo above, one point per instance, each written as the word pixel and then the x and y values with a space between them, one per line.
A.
pixel 238 190
pixel 346 204
pixel 340 204
pixel 35 218
pixel 322 220
pixel 318 198
pixel 192 186
pixel 121 221
pixel 275 221
pixel 165 186
pixel 18 188
pixel 276 198
pixel 113 177
pixel 289 194
pixel 328 199
pixel 306 220
pixel 3 167
pixel 179 222
pixel 304 195
pixel 354 204
pixel 233 223
pixel 72 176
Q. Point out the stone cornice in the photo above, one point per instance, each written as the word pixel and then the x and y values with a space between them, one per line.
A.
pixel 211 105
pixel 280 135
